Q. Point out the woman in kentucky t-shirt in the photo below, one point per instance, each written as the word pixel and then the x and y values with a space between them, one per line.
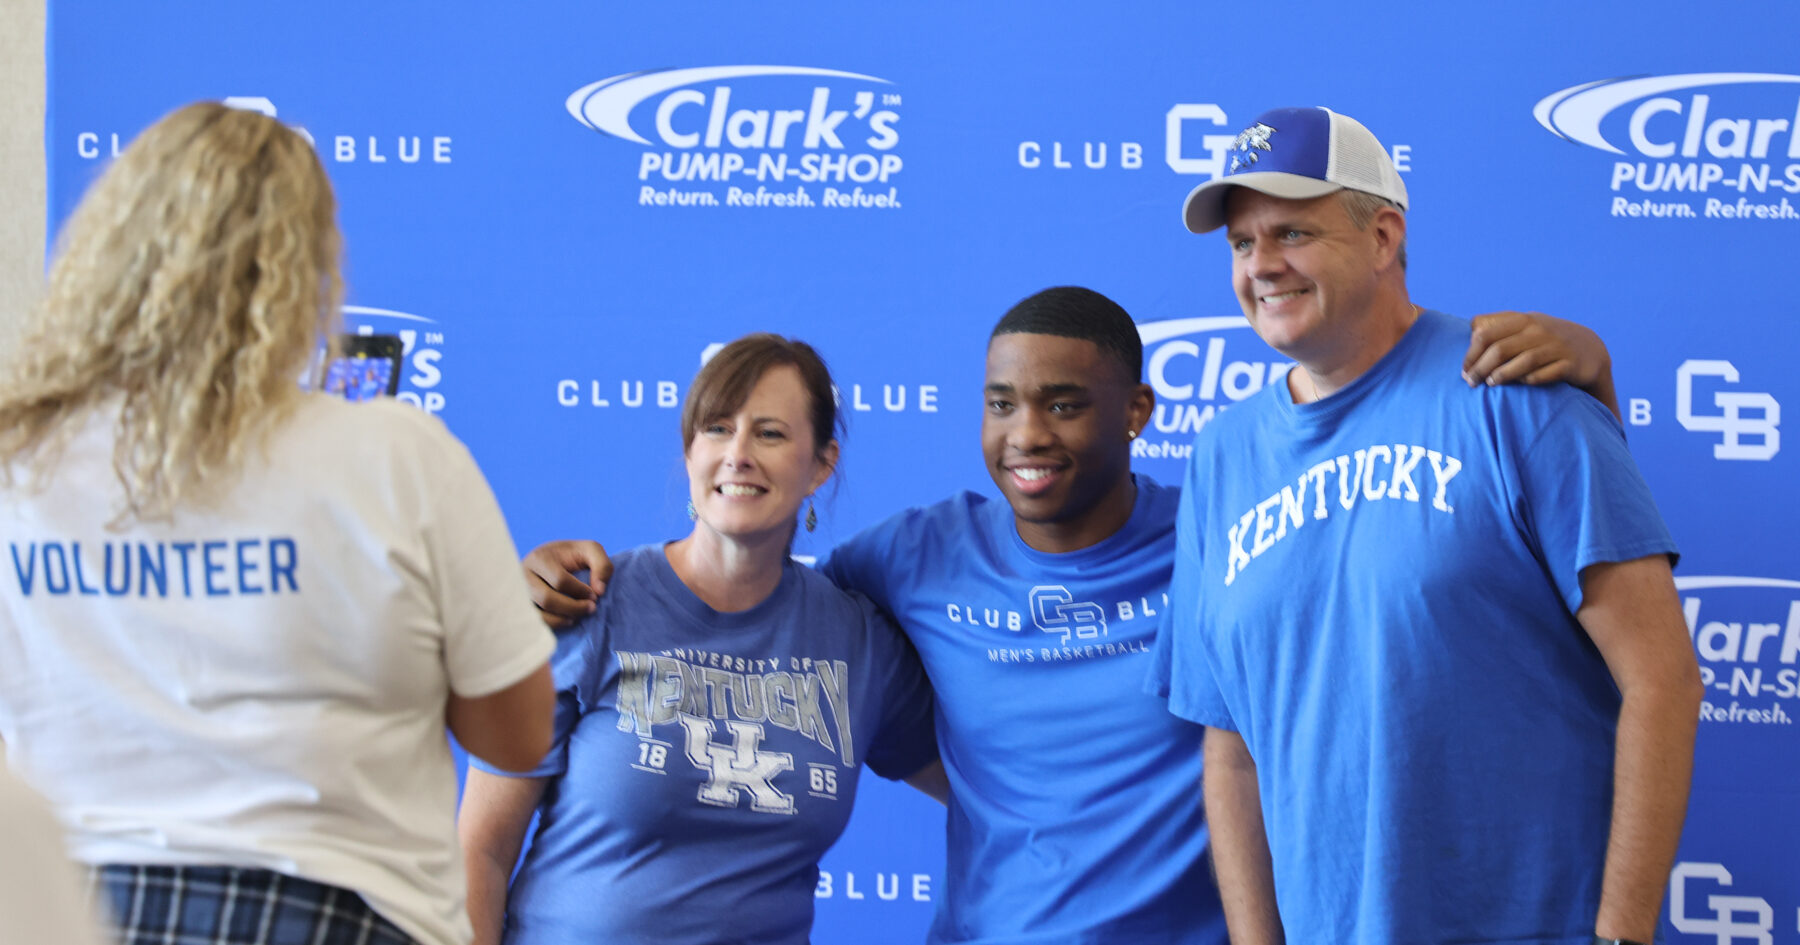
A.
pixel 714 711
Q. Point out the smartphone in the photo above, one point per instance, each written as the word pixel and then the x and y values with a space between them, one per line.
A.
pixel 365 367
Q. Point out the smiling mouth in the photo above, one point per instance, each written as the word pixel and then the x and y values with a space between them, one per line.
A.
pixel 1281 297
pixel 1033 480
pixel 739 491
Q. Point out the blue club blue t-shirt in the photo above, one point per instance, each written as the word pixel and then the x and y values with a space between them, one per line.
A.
pixel 1075 811
pixel 1377 591
pixel 704 761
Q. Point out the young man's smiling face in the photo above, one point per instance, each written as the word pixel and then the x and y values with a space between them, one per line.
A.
pixel 1057 434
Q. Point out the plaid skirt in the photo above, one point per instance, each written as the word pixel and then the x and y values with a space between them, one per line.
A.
pixel 224 905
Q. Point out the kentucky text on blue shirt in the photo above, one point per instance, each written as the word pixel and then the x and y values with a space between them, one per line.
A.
pixel 204 567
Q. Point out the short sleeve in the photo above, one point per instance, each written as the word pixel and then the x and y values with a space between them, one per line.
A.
pixel 492 635
pixel 1584 499
pixel 858 564
pixel 576 672
pixel 906 739
pixel 1180 662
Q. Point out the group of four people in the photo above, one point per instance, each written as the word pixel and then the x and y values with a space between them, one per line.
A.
pixel 714 701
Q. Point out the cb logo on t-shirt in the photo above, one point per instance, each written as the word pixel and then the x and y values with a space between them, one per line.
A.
pixel 1055 610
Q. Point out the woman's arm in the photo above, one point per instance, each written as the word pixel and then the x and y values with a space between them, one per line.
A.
pixel 508 729
pixel 491 827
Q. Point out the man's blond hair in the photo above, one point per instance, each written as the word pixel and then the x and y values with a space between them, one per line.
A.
pixel 1362 207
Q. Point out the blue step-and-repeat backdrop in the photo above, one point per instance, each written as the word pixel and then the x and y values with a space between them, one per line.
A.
pixel 559 206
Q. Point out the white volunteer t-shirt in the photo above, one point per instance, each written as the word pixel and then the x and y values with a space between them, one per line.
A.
pixel 263 683
pixel 40 899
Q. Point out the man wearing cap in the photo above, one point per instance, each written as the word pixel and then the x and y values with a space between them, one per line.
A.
pixel 1431 630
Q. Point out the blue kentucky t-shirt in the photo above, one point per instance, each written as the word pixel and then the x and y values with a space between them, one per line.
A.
pixel 1075 811
pixel 1377 591
pixel 704 761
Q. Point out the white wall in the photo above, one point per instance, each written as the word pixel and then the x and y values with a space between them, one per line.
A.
pixel 21 161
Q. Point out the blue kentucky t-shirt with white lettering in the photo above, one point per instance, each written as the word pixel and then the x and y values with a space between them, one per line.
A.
pixel 1075 809
pixel 1377 592
pixel 704 761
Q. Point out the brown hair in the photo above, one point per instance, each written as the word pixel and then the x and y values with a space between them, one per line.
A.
pixel 724 384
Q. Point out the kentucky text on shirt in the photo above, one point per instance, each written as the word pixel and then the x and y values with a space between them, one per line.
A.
pixel 219 567
pixel 656 690
pixel 1372 474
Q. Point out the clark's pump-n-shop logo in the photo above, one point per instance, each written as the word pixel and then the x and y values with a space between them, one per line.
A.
pixel 1746 632
pixel 1699 146
pixel 789 137
pixel 1198 367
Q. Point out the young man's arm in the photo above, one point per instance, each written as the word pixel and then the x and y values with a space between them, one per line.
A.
pixel 1632 612
pixel 1240 846
pixel 560 596
pixel 1534 348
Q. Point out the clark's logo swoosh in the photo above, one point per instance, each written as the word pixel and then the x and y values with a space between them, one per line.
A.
pixel 1576 113
pixel 365 310
pixel 1706 582
pixel 606 105
pixel 1153 332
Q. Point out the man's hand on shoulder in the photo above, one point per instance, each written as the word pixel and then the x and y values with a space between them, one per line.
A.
pixel 1534 348
pixel 560 596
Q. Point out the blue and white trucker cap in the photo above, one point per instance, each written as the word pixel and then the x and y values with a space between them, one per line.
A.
pixel 1298 154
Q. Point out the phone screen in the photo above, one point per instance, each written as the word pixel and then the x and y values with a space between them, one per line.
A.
pixel 367 368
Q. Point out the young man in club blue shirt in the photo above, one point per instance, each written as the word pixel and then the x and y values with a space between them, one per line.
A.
pixel 1075 813
pixel 1432 633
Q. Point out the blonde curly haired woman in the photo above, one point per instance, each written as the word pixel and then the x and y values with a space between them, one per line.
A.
pixel 236 618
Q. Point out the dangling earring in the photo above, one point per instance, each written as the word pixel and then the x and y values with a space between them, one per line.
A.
pixel 812 516
pixel 693 513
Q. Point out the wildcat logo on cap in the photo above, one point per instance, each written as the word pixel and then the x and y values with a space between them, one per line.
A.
pixel 1256 136
pixel 1321 152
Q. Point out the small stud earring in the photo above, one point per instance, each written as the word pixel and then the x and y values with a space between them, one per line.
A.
pixel 1131 434
pixel 812 516
pixel 693 513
